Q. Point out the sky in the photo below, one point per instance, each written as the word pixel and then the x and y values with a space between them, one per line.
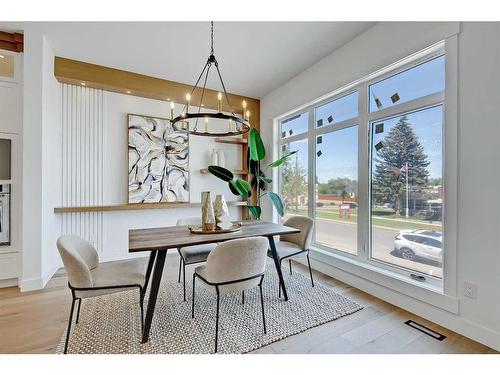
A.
pixel 339 148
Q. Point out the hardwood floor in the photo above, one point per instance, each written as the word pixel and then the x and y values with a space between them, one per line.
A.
pixel 33 322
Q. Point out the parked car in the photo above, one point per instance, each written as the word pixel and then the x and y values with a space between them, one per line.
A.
pixel 413 244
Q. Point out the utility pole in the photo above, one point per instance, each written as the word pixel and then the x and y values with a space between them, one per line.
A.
pixel 407 193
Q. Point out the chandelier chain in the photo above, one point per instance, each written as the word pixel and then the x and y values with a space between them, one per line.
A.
pixel 212 38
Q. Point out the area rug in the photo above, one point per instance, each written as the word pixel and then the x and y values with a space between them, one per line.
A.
pixel 111 324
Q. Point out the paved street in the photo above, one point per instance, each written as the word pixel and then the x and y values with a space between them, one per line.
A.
pixel 342 236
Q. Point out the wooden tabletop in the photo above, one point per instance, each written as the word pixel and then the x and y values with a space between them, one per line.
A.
pixel 178 236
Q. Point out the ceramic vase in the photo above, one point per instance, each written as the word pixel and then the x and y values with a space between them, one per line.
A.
pixel 220 207
pixel 207 211
pixel 215 157
pixel 222 158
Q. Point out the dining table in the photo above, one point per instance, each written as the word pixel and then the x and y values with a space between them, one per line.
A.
pixel 157 241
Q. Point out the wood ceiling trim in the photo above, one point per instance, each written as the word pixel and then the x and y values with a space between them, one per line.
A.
pixel 11 41
pixel 125 82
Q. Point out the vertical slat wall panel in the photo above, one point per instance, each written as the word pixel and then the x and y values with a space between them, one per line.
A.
pixel 82 164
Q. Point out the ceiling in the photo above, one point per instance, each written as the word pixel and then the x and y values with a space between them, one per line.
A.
pixel 254 57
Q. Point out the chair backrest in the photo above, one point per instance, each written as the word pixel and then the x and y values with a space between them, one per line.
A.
pixel 79 258
pixel 236 260
pixel 303 239
pixel 189 221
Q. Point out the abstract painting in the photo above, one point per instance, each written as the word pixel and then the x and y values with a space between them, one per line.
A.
pixel 158 161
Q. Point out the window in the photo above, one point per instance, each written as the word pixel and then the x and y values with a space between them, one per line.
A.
pixel 294 179
pixel 398 116
pixel 338 110
pixel 406 187
pixel 337 189
pixel 416 82
pixel 294 125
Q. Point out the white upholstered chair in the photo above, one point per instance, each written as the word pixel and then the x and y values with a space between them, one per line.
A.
pixel 192 254
pixel 297 244
pixel 232 267
pixel 87 278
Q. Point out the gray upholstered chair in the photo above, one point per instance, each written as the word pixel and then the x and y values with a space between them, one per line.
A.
pixel 87 278
pixel 192 254
pixel 297 244
pixel 232 267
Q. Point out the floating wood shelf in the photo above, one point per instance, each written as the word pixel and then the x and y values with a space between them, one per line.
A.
pixel 235 171
pixel 134 206
pixel 238 141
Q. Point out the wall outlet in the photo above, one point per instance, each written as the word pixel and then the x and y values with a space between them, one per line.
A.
pixel 470 290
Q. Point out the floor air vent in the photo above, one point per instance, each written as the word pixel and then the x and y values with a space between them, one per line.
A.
pixel 425 330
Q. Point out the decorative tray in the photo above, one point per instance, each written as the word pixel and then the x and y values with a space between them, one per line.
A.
pixel 199 230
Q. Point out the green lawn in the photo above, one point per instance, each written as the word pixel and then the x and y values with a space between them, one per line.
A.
pixel 393 223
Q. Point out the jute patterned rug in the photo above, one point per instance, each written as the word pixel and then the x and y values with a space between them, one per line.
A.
pixel 112 324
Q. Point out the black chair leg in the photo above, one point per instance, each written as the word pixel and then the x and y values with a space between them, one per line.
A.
pixel 262 304
pixel 180 266
pixel 78 311
pixel 310 271
pixel 69 325
pixel 184 279
pixel 243 297
pixel 141 302
pixel 279 285
pixel 192 306
pixel 217 320
pixel 290 264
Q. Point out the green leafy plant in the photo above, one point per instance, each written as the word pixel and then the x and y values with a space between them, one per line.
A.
pixel 259 181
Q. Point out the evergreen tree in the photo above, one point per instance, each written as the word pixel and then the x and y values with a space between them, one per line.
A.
pixel 400 146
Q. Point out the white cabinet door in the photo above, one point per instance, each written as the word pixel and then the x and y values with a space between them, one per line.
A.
pixel 9 108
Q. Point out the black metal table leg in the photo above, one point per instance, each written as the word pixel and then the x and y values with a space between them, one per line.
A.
pixel 153 294
pixel 151 262
pixel 272 245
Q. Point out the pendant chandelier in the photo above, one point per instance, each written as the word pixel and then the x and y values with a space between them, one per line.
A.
pixel 202 123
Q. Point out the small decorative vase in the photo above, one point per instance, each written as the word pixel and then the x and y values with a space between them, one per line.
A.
pixel 220 207
pixel 215 158
pixel 207 211
pixel 222 158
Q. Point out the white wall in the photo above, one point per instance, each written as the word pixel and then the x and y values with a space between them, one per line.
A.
pixel 51 163
pixel 31 276
pixel 41 160
pixel 478 256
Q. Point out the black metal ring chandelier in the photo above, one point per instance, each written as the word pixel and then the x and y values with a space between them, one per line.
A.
pixel 236 125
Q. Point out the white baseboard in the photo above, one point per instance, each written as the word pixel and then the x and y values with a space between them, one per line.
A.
pixel 9 283
pixel 439 316
pixel 36 283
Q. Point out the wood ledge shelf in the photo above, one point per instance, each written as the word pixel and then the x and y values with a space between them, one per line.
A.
pixel 235 171
pixel 233 140
pixel 134 207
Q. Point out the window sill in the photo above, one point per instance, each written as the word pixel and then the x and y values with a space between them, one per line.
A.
pixel 396 282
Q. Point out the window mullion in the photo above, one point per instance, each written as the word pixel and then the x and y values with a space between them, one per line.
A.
pixel 363 176
pixel 311 166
